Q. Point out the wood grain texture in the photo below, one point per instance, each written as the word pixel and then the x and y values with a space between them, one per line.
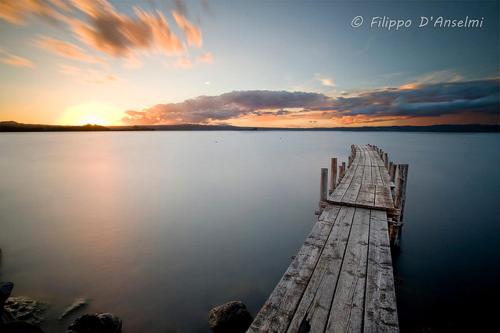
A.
pixel 380 304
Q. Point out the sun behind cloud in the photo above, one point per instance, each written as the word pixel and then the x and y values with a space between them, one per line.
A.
pixel 94 113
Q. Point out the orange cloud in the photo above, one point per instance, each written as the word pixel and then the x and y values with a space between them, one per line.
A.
pixel 16 11
pixel 107 30
pixel 65 49
pixel 183 62
pixel 119 35
pixel 193 34
pixel 14 60
pixel 207 58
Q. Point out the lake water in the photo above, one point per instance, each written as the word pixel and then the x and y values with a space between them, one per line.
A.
pixel 158 227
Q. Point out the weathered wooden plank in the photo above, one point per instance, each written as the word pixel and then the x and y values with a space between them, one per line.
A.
pixel 383 197
pixel 385 175
pixel 314 306
pixel 344 184
pixel 276 313
pixel 366 194
pixel 352 192
pixel 346 313
pixel 377 177
pixel 380 303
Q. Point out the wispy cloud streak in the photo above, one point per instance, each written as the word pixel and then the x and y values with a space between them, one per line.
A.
pixel 10 59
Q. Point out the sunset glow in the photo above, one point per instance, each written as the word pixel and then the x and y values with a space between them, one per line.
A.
pixel 91 113
pixel 209 63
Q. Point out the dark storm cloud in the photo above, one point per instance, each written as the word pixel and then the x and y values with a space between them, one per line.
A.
pixel 424 100
pixel 226 106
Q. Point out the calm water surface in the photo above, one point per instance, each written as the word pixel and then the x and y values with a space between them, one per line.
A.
pixel 158 227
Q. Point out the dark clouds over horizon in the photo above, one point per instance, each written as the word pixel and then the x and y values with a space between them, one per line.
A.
pixel 478 97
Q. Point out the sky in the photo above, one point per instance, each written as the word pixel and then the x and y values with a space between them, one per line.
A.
pixel 248 63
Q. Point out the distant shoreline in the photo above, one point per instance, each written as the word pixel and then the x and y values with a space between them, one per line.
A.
pixel 12 126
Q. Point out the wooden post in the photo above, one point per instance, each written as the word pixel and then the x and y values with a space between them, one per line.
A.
pixel 401 175
pixel 341 173
pixel 333 170
pixel 392 171
pixel 350 161
pixel 343 169
pixel 401 180
pixel 324 184
pixel 386 161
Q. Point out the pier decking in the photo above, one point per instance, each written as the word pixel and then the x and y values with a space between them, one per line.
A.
pixel 341 280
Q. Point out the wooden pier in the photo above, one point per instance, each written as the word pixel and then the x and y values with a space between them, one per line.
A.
pixel 342 280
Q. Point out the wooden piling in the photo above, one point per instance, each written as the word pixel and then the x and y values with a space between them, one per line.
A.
pixel 401 180
pixel 392 171
pixel 333 171
pixel 323 184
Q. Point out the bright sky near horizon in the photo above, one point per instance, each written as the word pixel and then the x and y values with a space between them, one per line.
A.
pixel 254 63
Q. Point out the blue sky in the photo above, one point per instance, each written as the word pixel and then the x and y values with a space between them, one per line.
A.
pixel 242 46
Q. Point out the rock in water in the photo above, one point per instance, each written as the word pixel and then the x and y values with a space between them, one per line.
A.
pixel 5 290
pixel 77 304
pixel 96 323
pixel 231 317
pixel 26 309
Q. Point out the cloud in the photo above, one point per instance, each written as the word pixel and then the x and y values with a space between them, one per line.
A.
pixel 476 98
pixel 424 100
pixel 183 62
pixel 192 33
pixel 205 109
pixel 180 6
pixel 16 11
pixel 207 58
pixel 87 75
pixel 100 26
pixel 119 35
pixel 14 60
pixel 65 49
pixel 327 82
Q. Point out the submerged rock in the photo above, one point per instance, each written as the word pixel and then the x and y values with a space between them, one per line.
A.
pixel 25 309
pixel 5 291
pixel 77 304
pixel 230 317
pixel 96 323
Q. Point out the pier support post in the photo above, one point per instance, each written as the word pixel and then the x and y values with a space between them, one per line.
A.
pixel 324 184
pixel 400 180
pixel 392 171
pixel 333 171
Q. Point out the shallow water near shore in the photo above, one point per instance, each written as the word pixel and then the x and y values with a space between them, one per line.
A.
pixel 158 227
